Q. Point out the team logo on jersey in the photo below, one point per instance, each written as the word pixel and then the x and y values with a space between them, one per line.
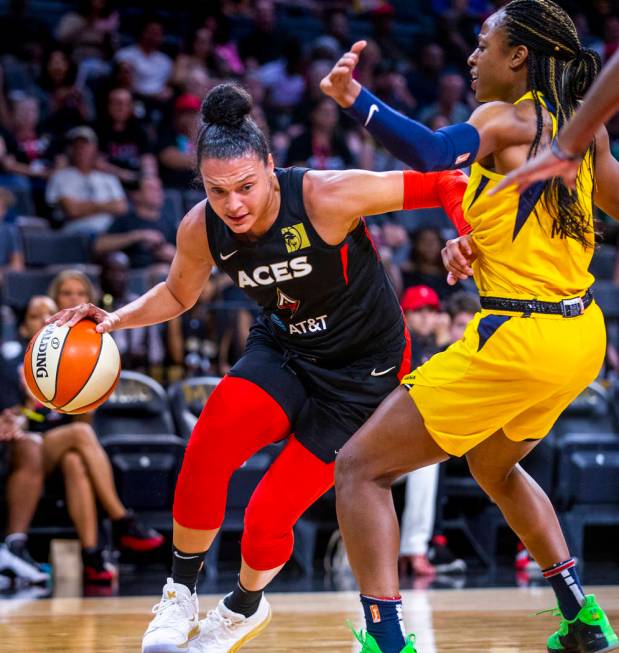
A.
pixel 265 275
pixel 295 237
pixel 285 303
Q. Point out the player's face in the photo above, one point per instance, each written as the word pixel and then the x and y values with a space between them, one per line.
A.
pixel 490 62
pixel 39 309
pixel 241 192
pixel 71 293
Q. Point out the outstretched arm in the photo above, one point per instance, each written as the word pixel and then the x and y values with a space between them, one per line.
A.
pixel 336 200
pixel 492 126
pixel 189 271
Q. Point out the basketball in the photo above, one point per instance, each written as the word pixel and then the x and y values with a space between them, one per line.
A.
pixel 72 369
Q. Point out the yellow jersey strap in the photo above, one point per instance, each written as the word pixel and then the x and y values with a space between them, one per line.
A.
pixel 531 95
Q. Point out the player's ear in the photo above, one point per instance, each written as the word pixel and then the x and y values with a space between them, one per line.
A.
pixel 270 164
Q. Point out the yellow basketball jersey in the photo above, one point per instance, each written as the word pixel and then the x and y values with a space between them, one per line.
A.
pixel 518 256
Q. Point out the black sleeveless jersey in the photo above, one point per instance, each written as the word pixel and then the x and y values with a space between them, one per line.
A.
pixel 320 301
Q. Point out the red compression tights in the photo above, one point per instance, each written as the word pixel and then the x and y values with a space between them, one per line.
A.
pixel 239 419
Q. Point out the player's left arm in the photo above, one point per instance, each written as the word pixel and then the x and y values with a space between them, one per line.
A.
pixel 338 198
pixel 606 194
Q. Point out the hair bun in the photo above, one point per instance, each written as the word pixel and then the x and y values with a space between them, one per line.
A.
pixel 227 105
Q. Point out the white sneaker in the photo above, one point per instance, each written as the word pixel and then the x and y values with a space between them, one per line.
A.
pixel 224 631
pixel 176 621
pixel 23 568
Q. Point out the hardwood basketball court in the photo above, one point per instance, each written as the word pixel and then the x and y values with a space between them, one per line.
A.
pixel 467 621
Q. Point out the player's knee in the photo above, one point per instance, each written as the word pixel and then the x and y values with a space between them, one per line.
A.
pixel 27 457
pixel 348 469
pixel 491 479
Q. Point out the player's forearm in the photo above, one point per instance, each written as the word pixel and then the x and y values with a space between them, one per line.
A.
pixel 410 141
pixel 156 306
pixel 600 103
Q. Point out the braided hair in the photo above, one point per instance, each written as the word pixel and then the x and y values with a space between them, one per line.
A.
pixel 560 70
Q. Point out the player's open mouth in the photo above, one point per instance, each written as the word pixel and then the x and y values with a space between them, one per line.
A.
pixel 237 218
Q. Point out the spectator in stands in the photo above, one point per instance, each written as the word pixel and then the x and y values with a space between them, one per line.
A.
pixel 449 103
pixel 194 338
pixel 322 145
pixel 146 234
pixel 24 483
pixel 72 445
pixel 457 29
pixel 263 43
pixel 284 82
pixel 229 62
pixel 141 349
pixel 125 149
pixel 426 265
pixel 72 287
pixel 461 308
pixel 86 200
pixel 91 33
pixel 64 104
pixel 11 250
pixel 177 156
pixel 390 86
pixel 383 20
pixel 30 151
pixel 200 55
pixel 423 81
pixel 421 307
pixel 337 26
pixel 151 67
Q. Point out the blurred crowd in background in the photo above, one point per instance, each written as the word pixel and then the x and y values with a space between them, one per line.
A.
pixel 99 104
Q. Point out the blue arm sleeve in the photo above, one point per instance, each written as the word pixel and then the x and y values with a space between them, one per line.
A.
pixel 422 149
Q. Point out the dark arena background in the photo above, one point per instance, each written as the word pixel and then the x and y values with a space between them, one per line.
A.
pixel 99 108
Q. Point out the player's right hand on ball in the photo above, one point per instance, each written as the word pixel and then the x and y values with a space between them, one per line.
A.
pixel 339 83
pixel 71 316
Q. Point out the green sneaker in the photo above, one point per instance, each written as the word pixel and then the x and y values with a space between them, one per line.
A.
pixel 369 645
pixel 589 632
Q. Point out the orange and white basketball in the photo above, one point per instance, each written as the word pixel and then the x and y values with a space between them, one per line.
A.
pixel 72 370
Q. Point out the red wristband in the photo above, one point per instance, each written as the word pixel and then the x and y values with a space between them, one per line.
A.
pixel 420 190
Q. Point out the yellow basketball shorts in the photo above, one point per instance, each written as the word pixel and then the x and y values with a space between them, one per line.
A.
pixel 507 372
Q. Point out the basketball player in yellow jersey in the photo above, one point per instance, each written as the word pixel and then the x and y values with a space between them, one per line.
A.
pixel 539 339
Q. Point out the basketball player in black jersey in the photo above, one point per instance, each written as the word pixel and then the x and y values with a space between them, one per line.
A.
pixel 329 345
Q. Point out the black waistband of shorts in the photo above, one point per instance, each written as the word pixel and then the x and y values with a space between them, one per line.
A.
pixel 567 307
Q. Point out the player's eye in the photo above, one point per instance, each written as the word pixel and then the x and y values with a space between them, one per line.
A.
pixel 247 187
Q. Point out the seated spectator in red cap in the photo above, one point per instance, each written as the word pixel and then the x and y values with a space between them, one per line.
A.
pixel 421 307
pixel 85 199
pixel 177 156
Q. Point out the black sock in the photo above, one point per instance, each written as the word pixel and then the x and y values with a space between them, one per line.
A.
pixel 186 567
pixel 92 557
pixel 243 601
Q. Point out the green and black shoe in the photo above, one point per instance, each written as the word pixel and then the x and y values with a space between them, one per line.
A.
pixel 589 632
pixel 369 645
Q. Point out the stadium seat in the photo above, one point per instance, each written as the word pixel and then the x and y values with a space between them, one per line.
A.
pixel 49 248
pixel 18 287
pixel 587 484
pixel 29 223
pixel 138 405
pixel 187 398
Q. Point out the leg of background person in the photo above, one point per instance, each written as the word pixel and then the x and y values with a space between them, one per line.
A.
pixel 24 485
pixel 418 518
pixel 81 502
pixel 239 419
pixel 81 438
pixel 392 442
